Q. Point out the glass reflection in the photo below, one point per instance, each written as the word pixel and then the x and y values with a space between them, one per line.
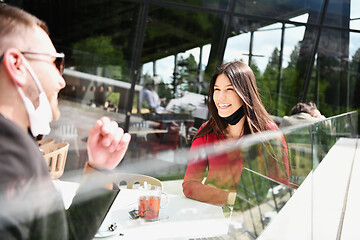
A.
pixel 284 10
pixel 262 198
pixel 97 39
pixel 216 4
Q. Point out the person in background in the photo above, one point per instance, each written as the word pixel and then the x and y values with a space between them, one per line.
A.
pixel 314 111
pixel 149 98
pixel 92 103
pixel 302 113
pixel 30 80
pixel 109 106
pixel 235 110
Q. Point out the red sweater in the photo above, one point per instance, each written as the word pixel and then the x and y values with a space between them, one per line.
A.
pixel 224 172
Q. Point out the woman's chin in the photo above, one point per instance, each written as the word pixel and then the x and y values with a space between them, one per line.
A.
pixel 224 114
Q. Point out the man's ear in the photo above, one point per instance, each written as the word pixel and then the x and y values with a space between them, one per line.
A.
pixel 14 66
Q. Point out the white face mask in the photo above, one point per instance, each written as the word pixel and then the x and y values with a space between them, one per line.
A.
pixel 40 117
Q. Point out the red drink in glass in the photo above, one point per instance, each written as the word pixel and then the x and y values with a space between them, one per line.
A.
pixel 149 207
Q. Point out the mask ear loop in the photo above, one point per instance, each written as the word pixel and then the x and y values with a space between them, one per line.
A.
pixel 37 82
pixel 33 75
pixel 26 100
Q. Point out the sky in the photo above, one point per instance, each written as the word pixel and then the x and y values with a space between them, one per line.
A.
pixel 265 40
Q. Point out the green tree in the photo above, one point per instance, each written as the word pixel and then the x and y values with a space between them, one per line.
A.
pixel 290 91
pixel 254 67
pixel 164 91
pixel 94 53
pixel 288 98
pixel 354 80
pixel 188 70
pixel 269 82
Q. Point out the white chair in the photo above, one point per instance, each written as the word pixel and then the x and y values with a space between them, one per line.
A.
pixel 68 133
pixel 132 179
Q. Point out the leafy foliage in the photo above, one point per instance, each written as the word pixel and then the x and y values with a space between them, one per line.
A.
pixel 188 74
pixel 94 53
pixel 164 91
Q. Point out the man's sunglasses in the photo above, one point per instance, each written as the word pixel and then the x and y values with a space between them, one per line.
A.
pixel 59 59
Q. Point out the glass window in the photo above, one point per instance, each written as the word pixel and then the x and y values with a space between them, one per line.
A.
pixel 148 69
pixel 354 9
pixel 282 10
pixel 173 88
pixel 170 40
pixel 267 48
pixel 338 13
pixel 329 73
pixel 276 88
pixel 289 92
pixel 182 45
pixel 265 40
pixel 97 39
pixel 216 4
pixel 353 72
pixel 237 47
pixel 165 69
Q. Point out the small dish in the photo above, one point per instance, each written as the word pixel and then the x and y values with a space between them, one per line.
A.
pixel 109 233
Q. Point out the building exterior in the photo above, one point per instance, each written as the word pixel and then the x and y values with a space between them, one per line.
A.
pixel 299 50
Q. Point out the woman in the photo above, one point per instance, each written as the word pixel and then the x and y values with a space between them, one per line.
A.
pixel 236 110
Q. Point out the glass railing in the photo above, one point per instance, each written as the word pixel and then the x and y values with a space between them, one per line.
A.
pixel 233 189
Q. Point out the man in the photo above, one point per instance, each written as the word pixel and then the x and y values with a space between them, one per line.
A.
pixel 302 113
pixel 30 80
pixel 149 98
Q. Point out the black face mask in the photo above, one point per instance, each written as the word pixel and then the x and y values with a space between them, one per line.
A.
pixel 234 118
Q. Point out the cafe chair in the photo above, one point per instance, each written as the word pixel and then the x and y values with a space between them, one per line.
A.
pixel 45 141
pixel 55 157
pixel 189 125
pixel 167 141
pixel 131 180
pixel 68 133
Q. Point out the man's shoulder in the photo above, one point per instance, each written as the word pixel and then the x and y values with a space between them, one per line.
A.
pixel 302 115
pixel 146 91
pixel 18 151
pixel 296 119
pixel 10 133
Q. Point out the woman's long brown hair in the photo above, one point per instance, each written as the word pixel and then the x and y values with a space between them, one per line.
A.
pixel 257 119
